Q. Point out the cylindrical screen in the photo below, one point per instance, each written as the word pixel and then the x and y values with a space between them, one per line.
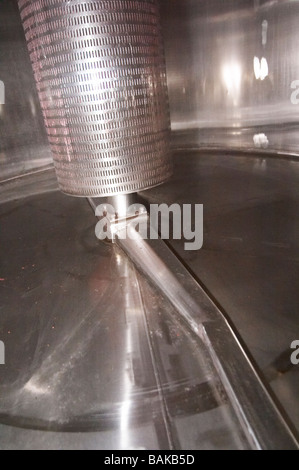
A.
pixel 100 73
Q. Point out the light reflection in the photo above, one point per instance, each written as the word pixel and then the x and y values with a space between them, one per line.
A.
pixel 35 389
pixel 124 424
pixel 231 74
pixel 261 68
pixel 264 32
pixel 32 106
pixel 257 68
pixel 264 68
pixel 127 387
pixel 261 141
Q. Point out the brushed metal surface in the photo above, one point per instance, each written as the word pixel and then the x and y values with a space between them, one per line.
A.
pixel 101 79
pixel 83 371
pixel 250 257
pixel 262 424
pixel 214 87
pixel 95 358
pixel 23 139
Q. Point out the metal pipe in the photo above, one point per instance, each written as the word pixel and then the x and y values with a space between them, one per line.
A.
pixel 258 415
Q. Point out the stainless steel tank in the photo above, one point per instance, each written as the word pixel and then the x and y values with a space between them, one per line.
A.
pixel 118 346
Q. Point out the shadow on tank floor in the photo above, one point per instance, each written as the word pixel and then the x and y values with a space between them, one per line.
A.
pixel 249 262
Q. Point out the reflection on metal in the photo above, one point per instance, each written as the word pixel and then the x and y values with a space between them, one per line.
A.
pixel 265 25
pixel 23 141
pixel 260 141
pixel 232 75
pixel 92 319
pixel 213 84
pixel 101 359
pixel 235 371
pixel 261 70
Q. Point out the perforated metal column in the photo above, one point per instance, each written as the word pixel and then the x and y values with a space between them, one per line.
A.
pixel 100 73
